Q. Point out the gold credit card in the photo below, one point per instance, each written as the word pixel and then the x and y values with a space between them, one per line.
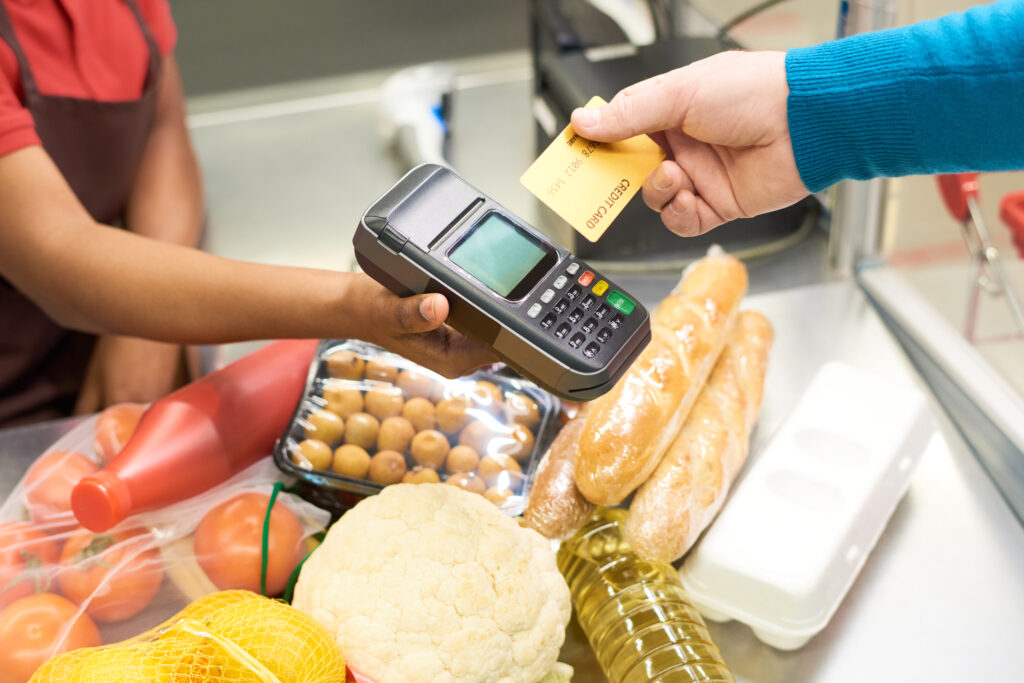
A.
pixel 588 183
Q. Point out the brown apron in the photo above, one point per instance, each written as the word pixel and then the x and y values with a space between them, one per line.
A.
pixel 97 146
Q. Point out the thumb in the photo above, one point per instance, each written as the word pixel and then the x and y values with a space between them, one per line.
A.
pixel 423 313
pixel 659 103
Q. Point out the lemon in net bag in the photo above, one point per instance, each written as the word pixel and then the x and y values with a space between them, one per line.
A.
pixel 226 636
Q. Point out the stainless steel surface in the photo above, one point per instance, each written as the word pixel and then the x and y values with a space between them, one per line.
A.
pixel 980 386
pixel 940 597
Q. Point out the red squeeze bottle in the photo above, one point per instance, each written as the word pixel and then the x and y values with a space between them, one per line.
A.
pixel 199 436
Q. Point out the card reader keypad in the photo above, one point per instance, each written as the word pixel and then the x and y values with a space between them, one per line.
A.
pixel 587 312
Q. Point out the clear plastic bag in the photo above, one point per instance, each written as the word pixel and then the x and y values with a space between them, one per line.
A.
pixel 114 585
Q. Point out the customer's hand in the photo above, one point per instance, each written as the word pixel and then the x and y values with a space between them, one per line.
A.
pixel 722 122
pixel 414 327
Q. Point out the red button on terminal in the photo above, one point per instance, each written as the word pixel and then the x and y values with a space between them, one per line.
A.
pixel 586 278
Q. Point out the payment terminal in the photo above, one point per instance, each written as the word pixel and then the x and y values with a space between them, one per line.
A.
pixel 546 313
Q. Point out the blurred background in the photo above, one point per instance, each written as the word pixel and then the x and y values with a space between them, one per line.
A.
pixel 294 139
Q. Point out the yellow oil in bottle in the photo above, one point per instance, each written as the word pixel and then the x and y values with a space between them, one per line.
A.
pixel 638 619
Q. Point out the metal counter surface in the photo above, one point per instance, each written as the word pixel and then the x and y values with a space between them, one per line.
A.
pixel 941 596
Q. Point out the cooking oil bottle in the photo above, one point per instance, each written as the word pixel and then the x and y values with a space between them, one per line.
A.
pixel 638 619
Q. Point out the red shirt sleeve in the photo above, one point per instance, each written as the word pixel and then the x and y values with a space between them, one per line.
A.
pixel 157 14
pixel 17 129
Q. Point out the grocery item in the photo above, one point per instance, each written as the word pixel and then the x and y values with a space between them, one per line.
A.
pixel 500 470
pixel 351 461
pixel 629 429
pixel 560 673
pixel 112 571
pixel 420 412
pixel 639 620
pixel 314 453
pixel 345 364
pixel 556 507
pixel 387 467
pixel 421 475
pixel 522 410
pixel 395 434
pixel 404 423
pixel 810 507
pixel 343 401
pixel 198 436
pixel 430 448
pixel 48 485
pixel 34 628
pixel 113 576
pixel 229 543
pixel 468 481
pixel 28 557
pixel 325 426
pixel 672 508
pixel 431 584
pixel 363 430
pixel 227 636
pixel 462 459
pixel 114 427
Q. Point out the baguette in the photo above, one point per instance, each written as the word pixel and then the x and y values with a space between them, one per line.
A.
pixel 556 508
pixel 684 494
pixel 629 429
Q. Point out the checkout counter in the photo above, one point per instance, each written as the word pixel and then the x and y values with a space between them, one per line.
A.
pixel 288 171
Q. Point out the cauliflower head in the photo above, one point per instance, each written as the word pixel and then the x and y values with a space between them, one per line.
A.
pixel 427 582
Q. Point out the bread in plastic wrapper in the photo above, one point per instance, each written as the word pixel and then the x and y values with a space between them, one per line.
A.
pixel 683 495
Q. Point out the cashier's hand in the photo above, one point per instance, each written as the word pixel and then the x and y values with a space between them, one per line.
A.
pixel 414 327
pixel 127 369
pixel 722 122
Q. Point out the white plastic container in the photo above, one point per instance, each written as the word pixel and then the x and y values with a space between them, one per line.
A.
pixel 799 526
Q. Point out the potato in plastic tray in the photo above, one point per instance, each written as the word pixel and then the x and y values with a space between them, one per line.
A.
pixel 369 418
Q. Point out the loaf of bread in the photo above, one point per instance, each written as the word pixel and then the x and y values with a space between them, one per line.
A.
pixel 556 508
pixel 684 494
pixel 628 430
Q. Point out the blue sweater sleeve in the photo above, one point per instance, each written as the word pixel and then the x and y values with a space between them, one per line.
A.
pixel 935 97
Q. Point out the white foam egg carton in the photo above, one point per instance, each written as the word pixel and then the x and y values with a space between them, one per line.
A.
pixel 799 526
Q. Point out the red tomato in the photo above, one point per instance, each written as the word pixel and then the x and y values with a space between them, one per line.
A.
pixel 228 543
pixel 117 573
pixel 48 485
pixel 31 631
pixel 114 427
pixel 28 557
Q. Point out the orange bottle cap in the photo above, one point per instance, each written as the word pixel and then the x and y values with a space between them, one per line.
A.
pixel 100 501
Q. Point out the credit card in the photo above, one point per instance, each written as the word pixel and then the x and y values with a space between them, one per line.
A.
pixel 588 183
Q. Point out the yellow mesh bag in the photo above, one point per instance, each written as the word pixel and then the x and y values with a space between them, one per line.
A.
pixel 227 636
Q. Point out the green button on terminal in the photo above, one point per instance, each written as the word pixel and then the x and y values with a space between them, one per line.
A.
pixel 620 302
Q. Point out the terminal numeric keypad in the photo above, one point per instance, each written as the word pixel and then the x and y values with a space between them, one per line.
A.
pixel 580 295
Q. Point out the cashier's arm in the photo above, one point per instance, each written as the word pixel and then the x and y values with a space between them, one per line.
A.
pixel 90 277
pixel 165 203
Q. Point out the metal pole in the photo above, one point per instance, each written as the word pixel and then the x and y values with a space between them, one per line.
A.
pixel 858 207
